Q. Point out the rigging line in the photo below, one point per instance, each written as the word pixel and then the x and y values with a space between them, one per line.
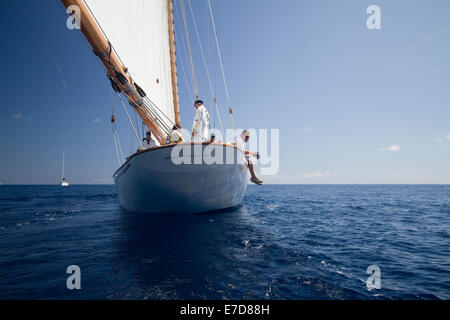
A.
pixel 208 53
pixel 88 46
pixel 131 142
pixel 149 106
pixel 156 113
pixel 115 144
pixel 131 122
pixel 160 111
pixel 220 59
pixel 183 13
pixel 104 33
pixel 186 80
pixel 151 113
pixel 181 60
pixel 112 100
pixel 118 142
pixel 155 116
pixel 115 131
pixel 149 109
pixel 136 123
pixel 205 64
pixel 184 47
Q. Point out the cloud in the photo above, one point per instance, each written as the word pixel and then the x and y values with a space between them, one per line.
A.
pixel 97 120
pixel 393 173
pixel 317 174
pixel 393 148
pixel 21 116
pixel 441 139
pixel 309 129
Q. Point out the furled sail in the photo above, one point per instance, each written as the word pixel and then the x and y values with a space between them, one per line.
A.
pixel 138 31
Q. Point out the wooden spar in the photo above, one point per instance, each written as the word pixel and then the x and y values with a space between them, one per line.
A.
pixel 173 63
pixel 111 61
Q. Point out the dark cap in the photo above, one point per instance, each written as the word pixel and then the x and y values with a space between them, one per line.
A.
pixel 198 101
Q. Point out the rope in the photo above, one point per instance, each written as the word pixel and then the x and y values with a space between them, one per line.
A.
pixel 220 60
pixel 151 110
pixel 131 122
pixel 115 144
pixel 115 133
pixel 136 123
pixel 185 54
pixel 186 80
pixel 206 66
pixel 150 106
pixel 197 92
pixel 118 142
pixel 104 34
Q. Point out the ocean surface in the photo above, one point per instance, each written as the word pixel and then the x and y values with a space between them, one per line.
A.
pixel 283 242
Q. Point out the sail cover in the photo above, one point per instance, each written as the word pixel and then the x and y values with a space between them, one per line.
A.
pixel 138 30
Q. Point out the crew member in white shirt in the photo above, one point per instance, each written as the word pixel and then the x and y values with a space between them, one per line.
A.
pixel 200 131
pixel 148 142
pixel 245 136
pixel 176 136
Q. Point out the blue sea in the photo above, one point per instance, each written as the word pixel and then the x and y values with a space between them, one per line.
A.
pixel 283 242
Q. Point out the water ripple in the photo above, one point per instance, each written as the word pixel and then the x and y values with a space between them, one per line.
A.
pixel 284 242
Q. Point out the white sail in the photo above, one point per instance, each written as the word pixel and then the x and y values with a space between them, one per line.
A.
pixel 62 170
pixel 139 33
pixel 64 183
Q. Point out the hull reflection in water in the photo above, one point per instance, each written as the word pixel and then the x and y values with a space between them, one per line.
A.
pixel 150 182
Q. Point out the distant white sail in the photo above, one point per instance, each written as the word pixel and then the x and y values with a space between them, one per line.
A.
pixel 64 183
pixel 139 32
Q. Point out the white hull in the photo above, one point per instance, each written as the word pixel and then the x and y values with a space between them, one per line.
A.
pixel 64 184
pixel 150 182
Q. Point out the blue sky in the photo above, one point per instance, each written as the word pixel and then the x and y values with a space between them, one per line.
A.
pixel 352 105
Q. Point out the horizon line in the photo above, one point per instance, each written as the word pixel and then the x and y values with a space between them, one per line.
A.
pixel 336 184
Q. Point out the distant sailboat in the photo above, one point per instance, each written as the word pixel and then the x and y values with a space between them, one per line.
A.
pixel 142 32
pixel 64 183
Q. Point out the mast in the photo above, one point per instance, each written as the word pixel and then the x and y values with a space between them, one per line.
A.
pixel 173 63
pixel 102 48
pixel 62 171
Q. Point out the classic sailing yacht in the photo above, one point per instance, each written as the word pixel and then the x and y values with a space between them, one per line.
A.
pixel 134 39
pixel 64 183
